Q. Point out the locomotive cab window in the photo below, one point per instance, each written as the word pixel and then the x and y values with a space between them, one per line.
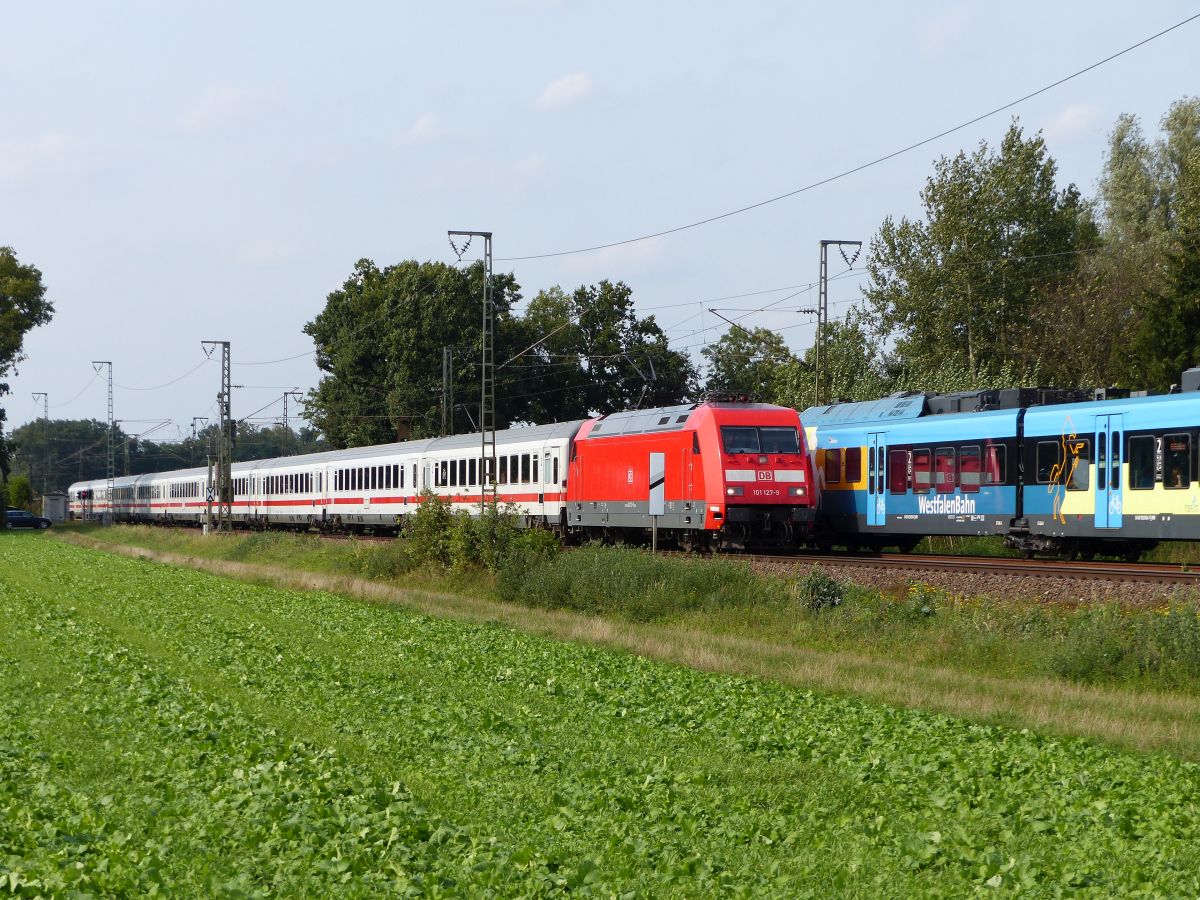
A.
pixel 1177 461
pixel 1141 462
pixel 739 439
pixel 779 440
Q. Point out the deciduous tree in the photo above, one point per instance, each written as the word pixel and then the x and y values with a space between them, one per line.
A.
pixel 997 240
pixel 23 305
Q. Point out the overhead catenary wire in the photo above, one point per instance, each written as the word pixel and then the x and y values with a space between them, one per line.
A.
pixel 862 166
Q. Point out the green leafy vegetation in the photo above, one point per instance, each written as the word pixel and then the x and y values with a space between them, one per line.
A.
pixel 172 731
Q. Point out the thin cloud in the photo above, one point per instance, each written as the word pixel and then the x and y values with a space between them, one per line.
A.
pixel 565 91
pixel 427 128
pixel 937 35
pixel 53 154
pixel 1076 120
pixel 224 106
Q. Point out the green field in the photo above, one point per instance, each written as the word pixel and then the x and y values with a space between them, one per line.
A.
pixel 168 730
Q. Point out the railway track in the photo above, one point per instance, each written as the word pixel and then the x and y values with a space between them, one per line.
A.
pixel 1153 573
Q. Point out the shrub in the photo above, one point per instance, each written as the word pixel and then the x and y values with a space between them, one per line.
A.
pixel 634 584
pixel 816 590
pixel 389 559
pixel 428 531
pixel 1107 643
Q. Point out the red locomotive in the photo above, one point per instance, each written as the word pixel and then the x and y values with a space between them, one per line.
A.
pixel 718 474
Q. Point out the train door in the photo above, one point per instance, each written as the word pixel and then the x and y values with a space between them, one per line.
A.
pixel 876 483
pixel 1109 499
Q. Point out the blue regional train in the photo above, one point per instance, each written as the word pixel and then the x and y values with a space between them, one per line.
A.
pixel 1074 473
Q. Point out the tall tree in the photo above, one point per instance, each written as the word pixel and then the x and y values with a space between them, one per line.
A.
pixel 997 239
pixel 23 305
pixel 1151 224
pixel 748 361
pixel 380 338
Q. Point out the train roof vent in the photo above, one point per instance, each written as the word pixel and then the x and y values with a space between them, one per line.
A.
pixel 1190 380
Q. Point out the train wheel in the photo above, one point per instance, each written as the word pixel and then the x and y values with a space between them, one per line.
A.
pixel 1132 556
pixel 1026 553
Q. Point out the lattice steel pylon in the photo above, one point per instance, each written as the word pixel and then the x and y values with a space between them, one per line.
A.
pixel 224 488
pixel 111 470
pixel 487 378
pixel 823 313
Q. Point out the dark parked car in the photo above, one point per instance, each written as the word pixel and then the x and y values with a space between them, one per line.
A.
pixel 18 518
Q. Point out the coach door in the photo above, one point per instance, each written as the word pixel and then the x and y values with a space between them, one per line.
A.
pixel 876 485
pixel 1109 500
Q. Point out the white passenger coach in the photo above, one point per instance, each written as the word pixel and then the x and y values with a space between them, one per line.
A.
pixel 364 488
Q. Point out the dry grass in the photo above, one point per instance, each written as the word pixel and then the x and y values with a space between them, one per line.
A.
pixel 1141 720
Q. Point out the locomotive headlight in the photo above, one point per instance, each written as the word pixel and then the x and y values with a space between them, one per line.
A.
pixel 798 491
pixel 735 491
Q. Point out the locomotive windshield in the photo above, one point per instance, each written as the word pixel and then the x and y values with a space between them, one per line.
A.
pixel 748 439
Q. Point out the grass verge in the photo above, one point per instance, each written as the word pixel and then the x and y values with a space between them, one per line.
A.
pixel 1001 663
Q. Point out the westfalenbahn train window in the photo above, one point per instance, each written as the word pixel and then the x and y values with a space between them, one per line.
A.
pixel 1047 459
pixel 1177 461
pixel 1141 462
pixel 898 483
pixel 853 461
pixel 833 466
pixel 969 474
pixel 1078 467
pixel 922 463
pixel 943 470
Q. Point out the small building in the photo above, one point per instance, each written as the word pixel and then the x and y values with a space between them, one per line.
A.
pixel 54 506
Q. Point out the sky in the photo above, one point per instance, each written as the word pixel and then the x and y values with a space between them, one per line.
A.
pixel 182 172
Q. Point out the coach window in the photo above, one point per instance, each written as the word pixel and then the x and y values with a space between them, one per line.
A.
pixel 1141 462
pixel 379 470
pixel 1177 461
pixel 462 471
pixel 922 461
pixel 503 479
pixel 833 466
pixel 453 473
pixel 414 477
pixel 512 468
pixel 853 462
pixel 1048 459
pixel 524 468
pixel 993 464
pixel 1079 466
pixel 969 469
pixel 943 470
pixel 898 481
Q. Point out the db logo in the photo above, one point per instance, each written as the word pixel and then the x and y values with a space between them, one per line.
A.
pixel 766 476
pixel 629 476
